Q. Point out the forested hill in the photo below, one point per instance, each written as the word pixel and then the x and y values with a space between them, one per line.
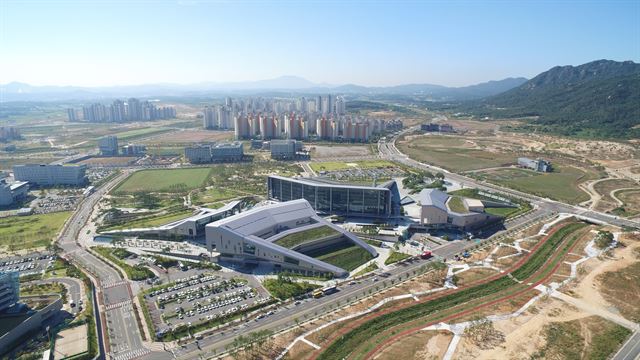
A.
pixel 597 99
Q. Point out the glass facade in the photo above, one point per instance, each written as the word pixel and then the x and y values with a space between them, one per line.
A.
pixel 333 199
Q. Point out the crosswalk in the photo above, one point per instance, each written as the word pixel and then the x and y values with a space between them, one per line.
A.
pixel 117 305
pixel 110 284
pixel 132 354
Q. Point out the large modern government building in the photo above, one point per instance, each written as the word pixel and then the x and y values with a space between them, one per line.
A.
pixel 289 236
pixel 327 197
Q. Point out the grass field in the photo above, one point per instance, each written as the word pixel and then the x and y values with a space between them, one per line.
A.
pixel 347 258
pixel 152 221
pixel 562 184
pixel 453 154
pixel 605 187
pixel 395 256
pixel 337 165
pixel 588 338
pixel 139 133
pixel 631 200
pixel 298 238
pixel 456 204
pixel 166 180
pixel 137 272
pixel 28 232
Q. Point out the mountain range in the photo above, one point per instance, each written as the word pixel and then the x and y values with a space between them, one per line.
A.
pixel 599 99
pixel 17 91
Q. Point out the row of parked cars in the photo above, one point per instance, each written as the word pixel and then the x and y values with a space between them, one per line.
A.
pixel 199 292
pixel 23 263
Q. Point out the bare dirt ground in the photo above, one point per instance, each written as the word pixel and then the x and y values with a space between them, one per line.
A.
pixel 529 326
pixel 191 136
pixel 421 345
pixel 324 151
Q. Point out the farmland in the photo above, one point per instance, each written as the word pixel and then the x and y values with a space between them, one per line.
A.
pixel 562 184
pixel 170 180
pixel 29 232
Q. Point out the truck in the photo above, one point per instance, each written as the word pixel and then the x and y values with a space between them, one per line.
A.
pixel 426 255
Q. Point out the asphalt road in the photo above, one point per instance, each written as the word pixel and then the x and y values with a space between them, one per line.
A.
pixel 631 349
pixel 74 292
pixel 122 329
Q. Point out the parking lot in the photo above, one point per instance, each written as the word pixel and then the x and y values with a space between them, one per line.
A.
pixel 199 298
pixel 33 263
pixel 54 200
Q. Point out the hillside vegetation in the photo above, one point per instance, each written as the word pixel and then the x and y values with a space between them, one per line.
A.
pixel 594 100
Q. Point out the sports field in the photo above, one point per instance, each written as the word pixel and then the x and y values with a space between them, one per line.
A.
pixel 562 184
pixel 33 231
pixel 164 180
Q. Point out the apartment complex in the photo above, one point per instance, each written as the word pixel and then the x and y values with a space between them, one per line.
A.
pixel 121 111
pixel 51 175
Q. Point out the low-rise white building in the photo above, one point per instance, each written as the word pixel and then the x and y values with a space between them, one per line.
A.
pixel 435 212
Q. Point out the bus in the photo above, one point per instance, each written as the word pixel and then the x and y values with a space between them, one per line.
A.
pixel 329 290
pixel 317 293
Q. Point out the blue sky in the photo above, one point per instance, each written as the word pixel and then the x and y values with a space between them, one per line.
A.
pixel 94 43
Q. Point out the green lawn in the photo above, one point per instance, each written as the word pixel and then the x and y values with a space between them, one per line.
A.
pixel 33 231
pixel 164 180
pixel 285 287
pixel 347 258
pixel 137 272
pixel 292 240
pixel 395 256
pixel 451 153
pixel 456 204
pixel 138 133
pixel 212 195
pixel 337 165
pixel 562 184
pixel 369 268
pixel 152 221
